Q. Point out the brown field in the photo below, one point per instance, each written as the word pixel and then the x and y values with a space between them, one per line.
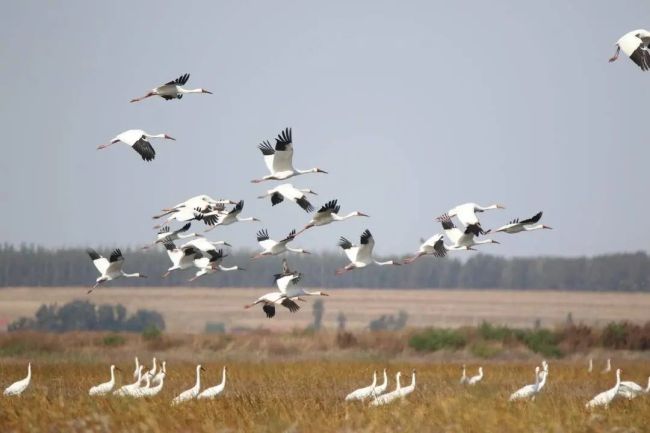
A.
pixel 307 396
pixel 187 310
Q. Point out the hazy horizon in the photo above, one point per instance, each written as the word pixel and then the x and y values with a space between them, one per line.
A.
pixel 523 93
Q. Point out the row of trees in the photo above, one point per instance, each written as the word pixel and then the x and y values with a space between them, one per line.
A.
pixel 86 316
pixel 35 266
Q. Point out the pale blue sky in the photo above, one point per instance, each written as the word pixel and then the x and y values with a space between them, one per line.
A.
pixel 432 103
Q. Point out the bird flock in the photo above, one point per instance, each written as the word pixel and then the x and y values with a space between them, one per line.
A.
pixel 208 256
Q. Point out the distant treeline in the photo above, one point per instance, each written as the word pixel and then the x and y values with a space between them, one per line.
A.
pixel 35 266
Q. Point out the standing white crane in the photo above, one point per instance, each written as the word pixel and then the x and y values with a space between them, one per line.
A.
pixel 463 376
pixel 635 45
pixel 106 387
pixel 606 397
pixel 608 366
pixel 360 255
pixel 279 158
pixel 181 258
pixel 214 391
pixel 270 300
pixel 139 141
pixel 328 213
pixel 380 389
pixel 137 368
pixel 216 218
pixel 630 390
pixel 466 214
pixel 462 239
pixel 128 390
pixel 476 379
pixel 143 389
pixel 272 247
pixel 403 392
pixel 527 225
pixel 17 388
pixel 171 90
pixel 526 391
pixel 365 392
pixel 390 396
pixel 211 262
pixel 161 373
pixel 111 268
pixel 288 191
pixel 154 386
pixel 192 392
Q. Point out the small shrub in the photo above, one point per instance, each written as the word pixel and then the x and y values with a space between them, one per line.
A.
pixel 616 335
pixel 345 340
pixel 495 333
pixel 151 332
pixel 215 328
pixel 436 339
pixel 113 340
pixel 485 350
pixel 542 341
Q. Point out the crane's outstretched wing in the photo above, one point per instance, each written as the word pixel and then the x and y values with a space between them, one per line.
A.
pixel 532 220
pixel 283 158
pixel 101 263
pixel 116 260
pixel 276 198
pixel 145 149
pixel 179 81
pixel 330 207
pixel 304 204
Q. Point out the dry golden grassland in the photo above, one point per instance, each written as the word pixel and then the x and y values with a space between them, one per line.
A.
pixel 297 384
pixel 187 310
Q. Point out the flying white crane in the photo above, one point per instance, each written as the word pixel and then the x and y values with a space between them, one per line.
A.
pixel 192 392
pixel 466 214
pixel 608 366
pixel 182 214
pixel 216 218
pixel 390 396
pixel 630 390
pixel 171 90
pixel 434 246
pixel 204 203
pixel 272 247
pixel 106 387
pixel 365 392
pixel 463 376
pixel 279 159
pixel 128 390
pixel 17 388
pixel 181 258
pixel 211 262
pixel 360 255
pixel 328 213
pixel 606 397
pixel 214 391
pixel 462 239
pixel 527 225
pixel 139 141
pixel 111 268
pixel 204 245
pixel 635 45
pixel 166 235
pixel 287 281
pixel 288 191
pixel 526 391
pixel 476 379
pixel 270 300
pixel 403 392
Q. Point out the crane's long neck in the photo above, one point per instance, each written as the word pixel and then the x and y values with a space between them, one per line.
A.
pixel 226 269
pixel 543 381
pixel 536 378
pixel 413 380
pixel 399 385
pixel 310 170
pixel 296 250
pixel 153 369
pixel 388 262
pixel 183 91
pixel 154 135
pixel 591 365
pixel 336 217
pixel 647 389
pixel 112 374
pixel 374 379
pixel 484 241
pixel 245 219
pixel 29 371
pixel 535 227
pixel 198 379
pixel 318 293
pixel 135 275
pixel 223 377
